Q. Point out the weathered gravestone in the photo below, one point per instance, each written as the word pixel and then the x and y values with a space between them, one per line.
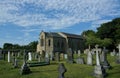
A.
pixel 47 59
pixel 118 57
pixel 51 56
pixel 70 56
pixel 25 69
pixel 104 60
pixel 80 60
pixel 113 53
pixel 89 58
pixel 8 56
pixel 15 63
pixel 99 71
pixel 61 70
pixel 39 57
pixel 57 56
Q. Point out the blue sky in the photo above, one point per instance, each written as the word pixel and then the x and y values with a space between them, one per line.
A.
pixel 21 21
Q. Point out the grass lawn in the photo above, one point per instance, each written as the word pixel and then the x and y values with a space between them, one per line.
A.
pixel 51 71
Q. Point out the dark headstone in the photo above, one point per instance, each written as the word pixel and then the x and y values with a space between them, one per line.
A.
pixel 1 55
pixel 70 56
pixel 24 69
pixel 57 56
pixel 61 70
pixel 104 60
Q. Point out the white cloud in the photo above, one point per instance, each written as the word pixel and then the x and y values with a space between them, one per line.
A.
pixel 56 14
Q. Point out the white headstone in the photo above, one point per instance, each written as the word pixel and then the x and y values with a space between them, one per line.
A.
pixel 65 56
pixel 8 56
pixel 29 56
pixel 97 56
pixel 89 58
pixel 79 52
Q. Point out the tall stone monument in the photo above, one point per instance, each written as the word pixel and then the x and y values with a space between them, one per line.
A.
pixel 104 60
pixel 89 58
pixel 24 68
pixel 99 71
pixel 29 56
pixel 8 56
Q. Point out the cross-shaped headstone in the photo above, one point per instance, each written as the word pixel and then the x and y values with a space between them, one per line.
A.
pixel 97 55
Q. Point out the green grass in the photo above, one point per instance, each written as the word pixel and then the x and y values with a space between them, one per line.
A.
pixel 51 71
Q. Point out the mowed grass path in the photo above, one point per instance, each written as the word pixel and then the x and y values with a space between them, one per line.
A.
pixel 51 71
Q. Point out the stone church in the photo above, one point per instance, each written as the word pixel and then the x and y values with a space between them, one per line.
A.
pixel 52 42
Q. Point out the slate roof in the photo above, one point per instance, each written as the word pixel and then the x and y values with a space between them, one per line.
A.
pixel 71 35
pixel 55 34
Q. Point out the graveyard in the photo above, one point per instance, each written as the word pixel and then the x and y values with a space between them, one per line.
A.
pixel 73 70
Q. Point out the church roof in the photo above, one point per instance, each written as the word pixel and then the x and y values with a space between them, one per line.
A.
pixel 71 35
pixel 52 34
pixel 56 34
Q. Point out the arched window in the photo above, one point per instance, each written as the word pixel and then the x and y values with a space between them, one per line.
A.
pixel 49 42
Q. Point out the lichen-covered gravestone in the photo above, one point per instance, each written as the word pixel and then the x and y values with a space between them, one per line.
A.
pixel 70 56
pixel 61 70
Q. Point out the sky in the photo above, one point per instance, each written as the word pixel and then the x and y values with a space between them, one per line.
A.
pixel 21 21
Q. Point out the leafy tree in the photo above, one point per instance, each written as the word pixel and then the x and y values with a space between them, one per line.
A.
pixel 7 46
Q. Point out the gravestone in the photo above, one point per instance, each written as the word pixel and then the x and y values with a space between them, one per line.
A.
pixel 8 56
pixel 89 58
pixel 51 56
pixel 99 71
pixel 70 56
pixel 39 58
pixel 80 60
pixel 61 70
pixel 118 57
pixel 0 54
pixel 61 56
pixel 47 59
pixel 65 56
pixel 15 63
pixel 79 53
pixel 104 60
pixel 29 56
pixel 4 54
pixel 18 54
pixel 113 53
pixel 57 56
pixel 43 55
pixel 24 68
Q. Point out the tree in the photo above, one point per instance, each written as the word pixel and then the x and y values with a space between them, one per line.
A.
pixel 7 46
pixel 33 45
pixel 111 31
